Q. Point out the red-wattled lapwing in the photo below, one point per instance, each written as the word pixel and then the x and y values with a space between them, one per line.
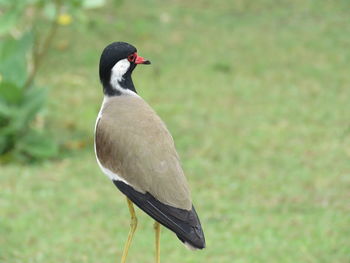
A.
pixel 136 151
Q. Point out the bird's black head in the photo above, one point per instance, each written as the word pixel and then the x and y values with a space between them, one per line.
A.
pixel 117 62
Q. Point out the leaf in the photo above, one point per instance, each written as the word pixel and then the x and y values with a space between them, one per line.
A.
pixel 49 10
pixel 10 93
pixel 34 101
pixel 5 111
pixel 2 144
pixel 13 54
pixel 11 124
pixel 89 4
pixel 8 21
pixel 37 145
pixel 21 115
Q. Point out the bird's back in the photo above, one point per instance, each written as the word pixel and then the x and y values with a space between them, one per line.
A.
pixel 133 142
pixel 135 149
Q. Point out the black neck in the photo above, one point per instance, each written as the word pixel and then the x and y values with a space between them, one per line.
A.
pixel 125 83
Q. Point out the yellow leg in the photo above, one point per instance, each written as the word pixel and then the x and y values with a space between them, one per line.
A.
pixel 157 230
pixel 133 225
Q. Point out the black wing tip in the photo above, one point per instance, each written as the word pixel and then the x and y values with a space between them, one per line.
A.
pixel 195 237
pixel 193 244
pixel 200 241
pixel 184 223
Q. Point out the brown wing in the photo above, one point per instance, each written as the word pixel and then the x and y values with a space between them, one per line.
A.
pixel 133 142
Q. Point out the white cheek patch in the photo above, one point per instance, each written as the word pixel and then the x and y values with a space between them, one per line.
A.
pixel 118 71
pixel 117 75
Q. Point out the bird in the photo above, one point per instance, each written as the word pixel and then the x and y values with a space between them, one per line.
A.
pixel 134 148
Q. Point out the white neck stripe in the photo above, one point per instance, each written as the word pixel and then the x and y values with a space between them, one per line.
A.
pixel 117 75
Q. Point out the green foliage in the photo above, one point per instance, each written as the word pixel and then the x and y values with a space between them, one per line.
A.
pixel 13 62
pixel 20 139
pixel 22 48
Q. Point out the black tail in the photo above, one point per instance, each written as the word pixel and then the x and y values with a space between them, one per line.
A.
pixel 185 224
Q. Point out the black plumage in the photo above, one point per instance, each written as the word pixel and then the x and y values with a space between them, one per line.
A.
pixel 185 224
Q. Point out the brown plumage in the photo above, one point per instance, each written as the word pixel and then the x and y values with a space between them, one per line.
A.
pixel 136 151
pixel 133 142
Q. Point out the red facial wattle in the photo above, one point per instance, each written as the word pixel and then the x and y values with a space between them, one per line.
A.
pixel 137 59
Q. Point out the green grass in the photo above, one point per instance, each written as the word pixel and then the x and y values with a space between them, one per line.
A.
pixel 256 95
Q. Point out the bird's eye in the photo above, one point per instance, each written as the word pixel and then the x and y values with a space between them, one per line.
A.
pixel 131 57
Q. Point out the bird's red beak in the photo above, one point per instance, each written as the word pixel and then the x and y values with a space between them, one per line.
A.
pixel 141 60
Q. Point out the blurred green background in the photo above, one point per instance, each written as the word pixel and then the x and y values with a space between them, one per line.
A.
pixel 256 95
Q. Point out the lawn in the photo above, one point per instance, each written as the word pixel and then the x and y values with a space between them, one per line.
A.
pixel 256 95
